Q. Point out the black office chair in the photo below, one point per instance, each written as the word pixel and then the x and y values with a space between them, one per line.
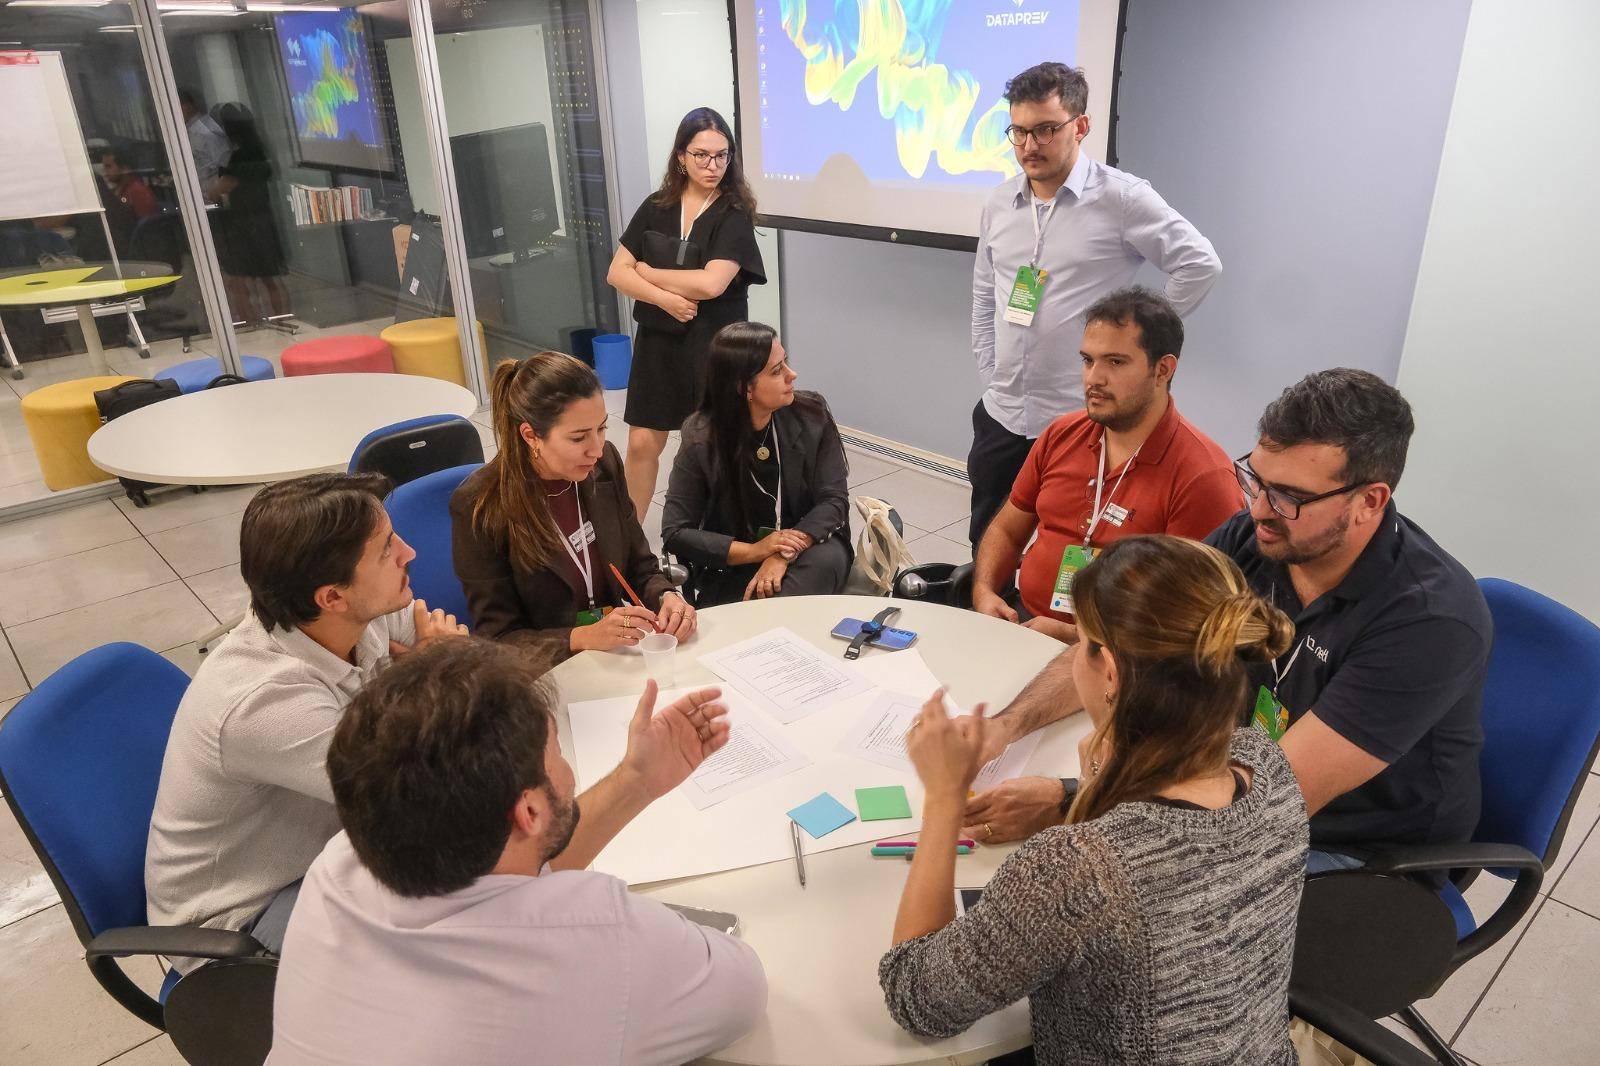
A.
pixel 160 239
pixel 1377 939
pixel 1355 1030
pixel 80 759
pixel 406 451
pixel 945 583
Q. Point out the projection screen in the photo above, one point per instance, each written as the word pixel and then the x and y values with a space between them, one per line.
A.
pixel 885 119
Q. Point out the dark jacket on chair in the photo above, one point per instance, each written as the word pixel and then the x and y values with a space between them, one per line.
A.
pixel 536 609
pixel 815 485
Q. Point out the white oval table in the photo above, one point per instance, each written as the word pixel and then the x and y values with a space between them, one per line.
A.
pixel 270 430
pixel 821 944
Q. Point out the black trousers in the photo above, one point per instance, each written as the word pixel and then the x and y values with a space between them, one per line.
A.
pixel 992 466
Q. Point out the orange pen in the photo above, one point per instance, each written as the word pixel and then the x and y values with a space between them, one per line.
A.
pixel 632 595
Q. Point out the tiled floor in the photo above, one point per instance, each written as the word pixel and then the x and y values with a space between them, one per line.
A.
pixel 162 575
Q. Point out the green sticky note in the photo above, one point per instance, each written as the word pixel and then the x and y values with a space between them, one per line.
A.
pixel 880 804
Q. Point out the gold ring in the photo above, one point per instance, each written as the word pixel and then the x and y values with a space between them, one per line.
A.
pixel 987 832
pixel 914 723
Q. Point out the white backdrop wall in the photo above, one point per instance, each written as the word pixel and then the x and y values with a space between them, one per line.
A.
pixel 1501 361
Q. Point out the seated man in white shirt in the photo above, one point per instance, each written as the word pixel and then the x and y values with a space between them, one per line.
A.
pixel 453 920
pixel 244 803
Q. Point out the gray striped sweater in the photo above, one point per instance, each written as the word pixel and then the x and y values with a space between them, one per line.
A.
pixel 1152 934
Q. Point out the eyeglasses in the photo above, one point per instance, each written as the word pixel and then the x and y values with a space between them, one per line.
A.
pixel 1283 502
pixel 707 160
pixel 1043 133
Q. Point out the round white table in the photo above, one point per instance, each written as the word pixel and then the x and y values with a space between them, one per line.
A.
pixel 266 430
pixel 821 944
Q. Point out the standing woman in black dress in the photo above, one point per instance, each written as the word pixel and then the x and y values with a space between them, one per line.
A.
pixel 687 259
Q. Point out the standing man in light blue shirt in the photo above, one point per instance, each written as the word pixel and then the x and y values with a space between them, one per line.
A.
pixel 1051 242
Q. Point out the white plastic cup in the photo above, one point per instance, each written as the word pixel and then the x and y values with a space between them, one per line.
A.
pixel 660 651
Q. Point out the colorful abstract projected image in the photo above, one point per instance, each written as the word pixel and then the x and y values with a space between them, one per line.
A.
pixel 891 114
pixel 907 90
pixel 328 70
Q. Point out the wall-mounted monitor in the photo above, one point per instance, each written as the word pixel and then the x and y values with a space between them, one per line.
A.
pixel 335 113
pixel 886 119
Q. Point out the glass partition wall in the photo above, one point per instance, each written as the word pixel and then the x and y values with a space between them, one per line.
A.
pixel 313 140
pixel 108 97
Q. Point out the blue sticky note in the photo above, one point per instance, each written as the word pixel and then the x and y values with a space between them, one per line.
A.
pixel 822 815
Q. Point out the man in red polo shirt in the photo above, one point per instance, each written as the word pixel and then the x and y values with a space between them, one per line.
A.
pixel 1128 463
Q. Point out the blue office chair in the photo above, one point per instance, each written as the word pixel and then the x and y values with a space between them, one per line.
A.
pixel 420 511
pixel 1377 939
pixel 80 759
pixel 411 449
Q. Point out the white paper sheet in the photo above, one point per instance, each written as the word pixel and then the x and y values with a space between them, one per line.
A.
pixel 786 675
pixel 879 736
pixel 756 752
pixel 672 838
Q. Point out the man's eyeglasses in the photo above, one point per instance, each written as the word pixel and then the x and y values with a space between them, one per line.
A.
pixel 1282 501
pixel 1042 134
pixel 707 160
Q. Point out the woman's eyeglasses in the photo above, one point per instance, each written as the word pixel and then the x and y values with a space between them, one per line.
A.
pixel 709 160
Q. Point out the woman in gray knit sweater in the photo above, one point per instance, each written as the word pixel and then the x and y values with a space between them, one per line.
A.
pixel 1157 924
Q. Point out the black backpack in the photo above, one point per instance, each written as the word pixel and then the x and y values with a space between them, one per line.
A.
pixel 131 396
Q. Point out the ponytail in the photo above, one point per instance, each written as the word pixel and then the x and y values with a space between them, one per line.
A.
pixel 512 507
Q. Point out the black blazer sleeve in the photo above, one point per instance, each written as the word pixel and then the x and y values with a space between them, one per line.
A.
pixel 498 610
pixel 689 502
pixel 830 484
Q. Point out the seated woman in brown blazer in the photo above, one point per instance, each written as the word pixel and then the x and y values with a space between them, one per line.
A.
pixel 537 529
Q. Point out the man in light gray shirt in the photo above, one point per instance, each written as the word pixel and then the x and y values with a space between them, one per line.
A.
pixel 207 143
pixel 244 803
pixel 453 920
pixel 1051 242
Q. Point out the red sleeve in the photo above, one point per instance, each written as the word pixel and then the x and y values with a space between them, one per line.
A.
pixel 1025 491
pixel 1203 504
pixel 142 200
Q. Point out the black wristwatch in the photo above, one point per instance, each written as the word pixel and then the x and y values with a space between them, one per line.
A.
pixel 1069 790
pixel 870 631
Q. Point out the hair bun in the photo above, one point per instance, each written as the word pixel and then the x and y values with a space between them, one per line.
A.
pixel 1242 625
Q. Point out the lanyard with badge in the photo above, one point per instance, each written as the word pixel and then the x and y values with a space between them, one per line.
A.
pixel 1028 288
pixel 1076 556
pixel 686 225
pixel 583 536
pixel 777 499
pixel 1270 713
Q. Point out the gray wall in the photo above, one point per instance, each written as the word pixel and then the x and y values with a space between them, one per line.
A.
pixel 1302 137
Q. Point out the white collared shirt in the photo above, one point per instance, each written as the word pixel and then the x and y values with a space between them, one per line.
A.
pixel 565 968
pixel 244 803
pixel 1106 223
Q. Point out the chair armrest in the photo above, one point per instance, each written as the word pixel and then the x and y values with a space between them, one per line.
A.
pixel 961 587
pixel 1434 857
pixel 1354 1030
pixel 1430 858
pixel 190 941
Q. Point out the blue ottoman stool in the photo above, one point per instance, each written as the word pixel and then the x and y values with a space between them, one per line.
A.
pixel 196 374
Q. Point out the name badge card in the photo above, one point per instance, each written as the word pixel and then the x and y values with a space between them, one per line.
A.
pixel 1270 714
pixel 1025 294
pixel 582 537
pixel 1075 558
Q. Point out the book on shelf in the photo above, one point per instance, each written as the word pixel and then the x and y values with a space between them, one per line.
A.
pixel 313 206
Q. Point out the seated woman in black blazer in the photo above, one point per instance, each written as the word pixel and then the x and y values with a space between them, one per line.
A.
pixel 758 500
pixel 536 530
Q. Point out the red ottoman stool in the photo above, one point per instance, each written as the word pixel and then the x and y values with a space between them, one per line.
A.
pixel 355 353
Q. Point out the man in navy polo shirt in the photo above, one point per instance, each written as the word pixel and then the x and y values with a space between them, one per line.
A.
pixel 1378 703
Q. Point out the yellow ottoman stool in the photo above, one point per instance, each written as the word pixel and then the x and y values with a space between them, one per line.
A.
pixel 60 419
pixel 428 347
